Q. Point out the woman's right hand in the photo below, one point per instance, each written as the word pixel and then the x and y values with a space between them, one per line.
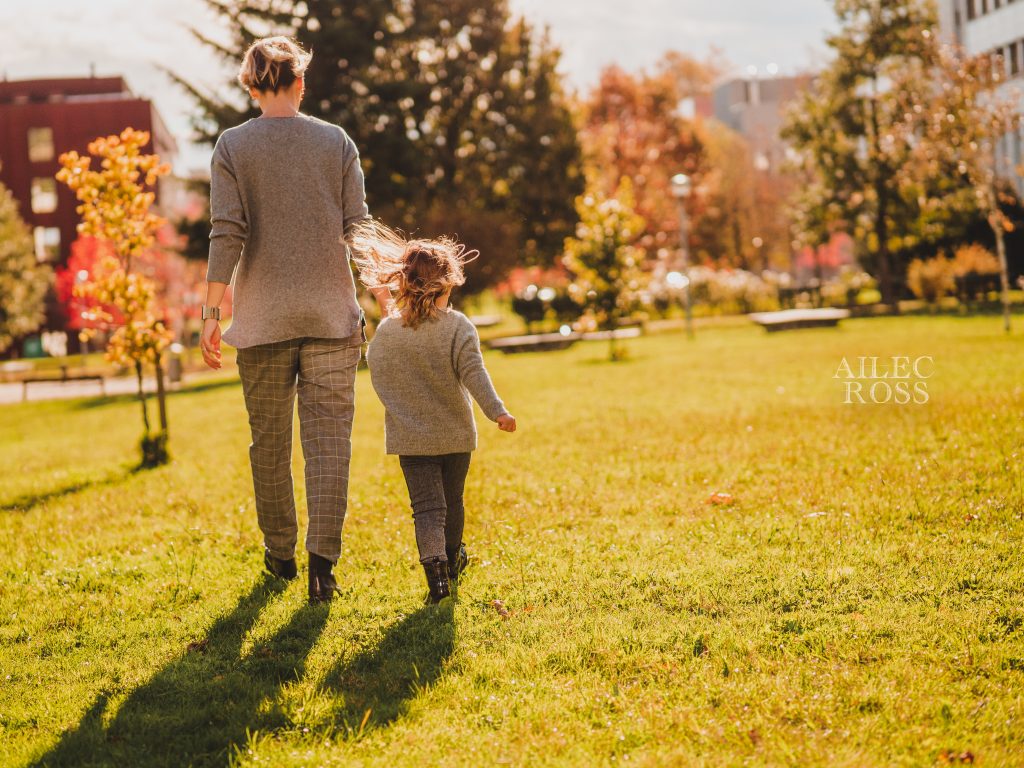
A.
pixel 210 343
pixel 507 422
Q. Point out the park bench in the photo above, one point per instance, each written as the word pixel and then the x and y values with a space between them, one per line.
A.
pixel 788 319
pixel 546 342
pixel 537 342
pixel 630 332
pixel 64 378
pixel 13 370
pixel 485 321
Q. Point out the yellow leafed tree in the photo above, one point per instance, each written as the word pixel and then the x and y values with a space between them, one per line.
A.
pixel 115 207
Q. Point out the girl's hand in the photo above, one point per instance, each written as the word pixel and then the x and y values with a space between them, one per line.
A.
pixel 507 422
pixel 210 343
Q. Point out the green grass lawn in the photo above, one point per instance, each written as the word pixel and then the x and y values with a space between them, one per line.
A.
pixel 859 604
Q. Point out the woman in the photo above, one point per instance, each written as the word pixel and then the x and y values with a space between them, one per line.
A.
pixel 284 190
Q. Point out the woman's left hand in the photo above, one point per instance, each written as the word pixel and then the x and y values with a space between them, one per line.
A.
pixel 210 343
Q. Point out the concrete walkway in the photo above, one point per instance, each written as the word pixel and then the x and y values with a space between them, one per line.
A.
pixel 56 390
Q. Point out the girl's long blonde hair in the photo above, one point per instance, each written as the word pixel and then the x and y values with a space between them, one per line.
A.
pixel 417 271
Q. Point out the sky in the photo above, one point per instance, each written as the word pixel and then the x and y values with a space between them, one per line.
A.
pixel 141 38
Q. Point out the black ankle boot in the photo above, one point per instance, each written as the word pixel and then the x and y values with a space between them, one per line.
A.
pixel 458 561
pixel 437 581
pixel 322 585
pixel 282 569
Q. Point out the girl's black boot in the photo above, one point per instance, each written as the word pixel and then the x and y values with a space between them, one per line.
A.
pixel 437 581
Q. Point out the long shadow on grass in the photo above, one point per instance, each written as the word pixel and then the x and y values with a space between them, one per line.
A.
pixel 194 710
pixel 26 502
pixel 376 686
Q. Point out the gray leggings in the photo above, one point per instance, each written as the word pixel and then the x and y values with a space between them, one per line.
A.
pixel 435 490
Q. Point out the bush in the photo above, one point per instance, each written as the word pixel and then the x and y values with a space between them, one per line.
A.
pixel 931 279
pixel 851 286
pixel 730 291
pixel 974 259
pixel 530 308
pixel 566 309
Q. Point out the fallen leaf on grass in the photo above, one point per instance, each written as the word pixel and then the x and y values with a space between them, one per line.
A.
pixel 198 646
pixel 500 608
pixel 970 518
pixel 952 757
pixel 718 497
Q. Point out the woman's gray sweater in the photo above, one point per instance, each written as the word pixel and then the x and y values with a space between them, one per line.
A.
pixel 283 192
pixel 424 376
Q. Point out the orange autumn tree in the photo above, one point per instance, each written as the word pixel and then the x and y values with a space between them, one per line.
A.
pixel 115 206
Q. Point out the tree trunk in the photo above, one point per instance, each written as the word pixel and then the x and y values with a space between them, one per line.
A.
pixel 882 221
pixel 884 266
pixel 161 394
pixel 1004 278
pixel 142 396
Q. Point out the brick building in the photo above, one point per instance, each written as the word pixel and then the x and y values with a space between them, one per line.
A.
pixel 40 119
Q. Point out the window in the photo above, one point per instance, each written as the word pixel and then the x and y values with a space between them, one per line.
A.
pixel 996 4
pixel 40 145
pixel 1014 57
pixel 970 9
pixel 984 7
pixel 47 243
pixel 44 194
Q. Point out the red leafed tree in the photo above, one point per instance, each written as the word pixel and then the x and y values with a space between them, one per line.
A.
pixel 87 253
pixel 633 127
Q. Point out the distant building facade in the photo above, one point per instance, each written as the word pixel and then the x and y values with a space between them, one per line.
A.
pixel 755 108
pixel 995 27
pixel 39 120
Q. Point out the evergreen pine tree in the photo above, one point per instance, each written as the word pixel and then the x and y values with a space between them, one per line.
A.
pixel 457 110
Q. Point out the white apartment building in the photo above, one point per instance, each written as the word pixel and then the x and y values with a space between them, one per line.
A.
pixel 995 27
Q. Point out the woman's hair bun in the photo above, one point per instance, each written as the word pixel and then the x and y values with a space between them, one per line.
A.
pixel 273 63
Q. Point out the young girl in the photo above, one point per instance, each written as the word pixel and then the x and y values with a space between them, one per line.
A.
pixel 425 362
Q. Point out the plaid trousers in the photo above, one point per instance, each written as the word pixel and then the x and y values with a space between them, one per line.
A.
pixel 323 372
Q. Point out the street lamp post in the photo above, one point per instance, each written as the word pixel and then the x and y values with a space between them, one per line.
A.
pixel 681 188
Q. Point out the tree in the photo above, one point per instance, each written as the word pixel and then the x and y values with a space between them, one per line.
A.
pixel 115 209
pixel 850 133
pixel 965 119
pixel 743 221
pixel 458 112
pixel 633 127
pixel 604 258
pixel 23 280
pixel 83 266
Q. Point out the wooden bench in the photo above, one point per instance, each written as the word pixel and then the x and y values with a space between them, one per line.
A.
pixel 485 321
pixel 632 331
pixel 64 378
pixel 789 319
pixel 546 342
pixel 538 342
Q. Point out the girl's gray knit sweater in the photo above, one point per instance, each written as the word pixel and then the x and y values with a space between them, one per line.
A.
pixel 424 376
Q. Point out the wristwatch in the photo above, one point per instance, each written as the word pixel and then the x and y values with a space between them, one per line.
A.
pixel 211 312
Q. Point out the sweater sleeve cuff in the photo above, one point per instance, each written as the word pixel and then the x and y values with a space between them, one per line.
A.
pixel 221 266
pixel 496 410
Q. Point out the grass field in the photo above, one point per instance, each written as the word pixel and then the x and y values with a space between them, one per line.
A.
pixel 860 603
